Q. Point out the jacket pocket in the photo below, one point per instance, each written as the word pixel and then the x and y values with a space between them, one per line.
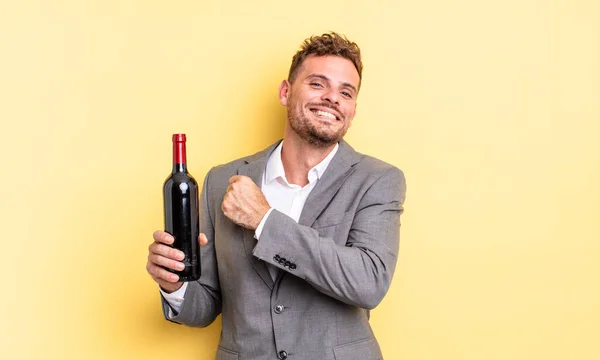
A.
pixel 359 350
pixel 225 354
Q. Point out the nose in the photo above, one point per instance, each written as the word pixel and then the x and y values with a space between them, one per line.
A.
pixel 331 96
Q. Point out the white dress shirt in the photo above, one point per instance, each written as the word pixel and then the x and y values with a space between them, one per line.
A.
pixel 281 195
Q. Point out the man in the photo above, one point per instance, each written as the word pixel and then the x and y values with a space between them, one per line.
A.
pixel 300 240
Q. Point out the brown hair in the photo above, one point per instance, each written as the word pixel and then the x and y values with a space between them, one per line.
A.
pixel 326 44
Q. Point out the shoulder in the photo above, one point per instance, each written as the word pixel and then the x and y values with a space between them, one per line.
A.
pixel 222 172
pixel 383 182
pixel 373 164
pixel 376 169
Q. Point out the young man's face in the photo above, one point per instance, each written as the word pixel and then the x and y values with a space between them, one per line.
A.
pixel 321 102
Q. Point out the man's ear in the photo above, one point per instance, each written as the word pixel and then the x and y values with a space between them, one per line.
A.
pixel 284 90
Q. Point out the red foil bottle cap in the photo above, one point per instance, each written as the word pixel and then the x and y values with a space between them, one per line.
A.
pixel 178 137
pixel 179 149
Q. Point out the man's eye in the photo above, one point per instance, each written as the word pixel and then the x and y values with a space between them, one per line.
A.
pixel 315 84
pixel 347 94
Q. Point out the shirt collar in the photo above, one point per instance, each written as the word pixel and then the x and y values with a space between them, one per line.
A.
pixel 275 169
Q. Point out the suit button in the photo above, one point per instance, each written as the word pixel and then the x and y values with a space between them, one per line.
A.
pixel 282 355
pixel 282 261
pixel 292 266
pixel 278 309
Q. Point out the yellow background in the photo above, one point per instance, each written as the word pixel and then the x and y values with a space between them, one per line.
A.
pixel 492 109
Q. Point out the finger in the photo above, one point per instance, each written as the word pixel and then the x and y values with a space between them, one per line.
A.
pixel 169 287
pixel 224 204
pixel 163 237
pixel 202 239
pixel 236 178
pixel 165 284
pixel 166 262
pixel 228 202
pixel 166 251
pixel 159 273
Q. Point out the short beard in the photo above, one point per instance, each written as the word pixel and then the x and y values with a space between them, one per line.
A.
pixel 308 132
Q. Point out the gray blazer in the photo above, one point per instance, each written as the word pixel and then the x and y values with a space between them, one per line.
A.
pixel 335 264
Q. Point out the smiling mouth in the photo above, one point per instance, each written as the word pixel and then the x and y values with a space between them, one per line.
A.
pixel 324 114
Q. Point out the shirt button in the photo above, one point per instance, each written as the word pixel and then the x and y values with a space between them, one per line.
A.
pixel 278 309
pixel 282 355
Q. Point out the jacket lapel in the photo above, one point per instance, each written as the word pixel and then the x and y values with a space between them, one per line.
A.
pixel 339 169
pixel 254 168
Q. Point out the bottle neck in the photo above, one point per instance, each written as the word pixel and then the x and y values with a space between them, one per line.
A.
pixel 179 157
pixel 179 168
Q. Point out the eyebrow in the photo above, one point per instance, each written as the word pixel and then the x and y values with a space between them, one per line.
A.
pixel 321 76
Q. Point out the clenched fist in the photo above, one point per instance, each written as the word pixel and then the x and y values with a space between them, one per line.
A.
pixel 244 203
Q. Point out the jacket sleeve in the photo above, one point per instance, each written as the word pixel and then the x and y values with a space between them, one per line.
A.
pixel 202 299
pixel 358 272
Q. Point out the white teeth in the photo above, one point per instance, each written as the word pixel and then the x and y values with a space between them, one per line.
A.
pixel 325 114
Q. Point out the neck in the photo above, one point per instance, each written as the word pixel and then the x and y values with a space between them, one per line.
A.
pixel 298 157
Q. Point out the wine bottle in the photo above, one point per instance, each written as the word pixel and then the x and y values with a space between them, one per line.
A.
pixel 180 194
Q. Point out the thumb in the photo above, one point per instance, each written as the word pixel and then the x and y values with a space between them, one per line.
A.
pixel 202 239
